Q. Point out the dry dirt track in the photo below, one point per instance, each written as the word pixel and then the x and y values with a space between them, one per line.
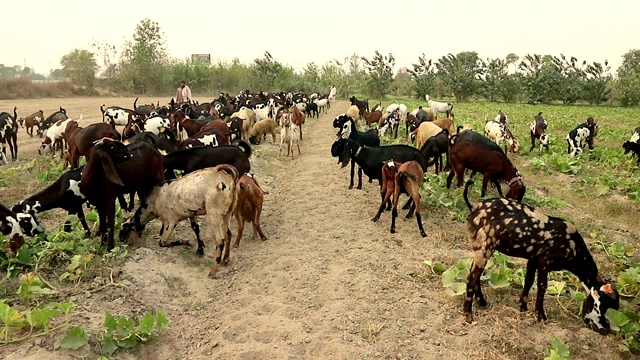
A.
pixel 328 284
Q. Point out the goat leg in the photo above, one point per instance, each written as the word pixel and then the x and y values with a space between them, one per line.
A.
pixel 532 265
pixel 360 178
pixel 407 204
pixel 419 220
pixel 411 210
pixel 196 229
pixel 240 222
pixel 542 289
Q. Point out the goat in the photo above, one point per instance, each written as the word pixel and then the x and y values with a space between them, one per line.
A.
pixel 479 154
pixel 118 116
pixel 312 108
pixel 289 134
pixel 392 122
pixel 248 117
pixel 446 123
pixel 208 192
pixel 636 135
pixel 435 147
pixel 297 119
pixel 501 133
pixel 548 243
pixel 30 121
pixel 437 106
pixel 155 124
pixel 114 169
pixel 372 117
pixel 353 111
pixel 362 105
pixel 52 119
pixel 538 128
pixel 209 137
pixel 322 104
pixel 9 133
pixel 401 178
pixel 249 196
pixel 579 135
pixel 424 132
pixel 63 193
pixel 634 147
pixel 165 143
pixel 190 160
pixel 424 114
pixel 55 134
pixel 18 224
pixel 81 142
pixel 348 130
pixel 261 128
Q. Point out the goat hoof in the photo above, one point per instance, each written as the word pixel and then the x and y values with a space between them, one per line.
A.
pixel 523 307
pixel 423 234
pixel 350 187
pixel 407 216
pixel 542 317
pixel 200 252
pixel 393 231
pixel 468 317
pixel 375 218
pixel 482 302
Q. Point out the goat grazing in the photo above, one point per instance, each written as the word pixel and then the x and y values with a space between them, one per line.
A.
pixel 581 134
pixel 81 142
pixel 479 154
pixel 634 147
pixel 437 106
pixel 401 178
pixel 538 128
pixel 114 169
pixel 52 119
pixel 249 206
pixel 190 160
pixel 348 130
pixel 261 128
pixel 208 192
pixel 548 243
pixel 500 133
pixel 18 224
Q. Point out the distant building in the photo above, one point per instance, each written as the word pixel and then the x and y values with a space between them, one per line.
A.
pixel 201 57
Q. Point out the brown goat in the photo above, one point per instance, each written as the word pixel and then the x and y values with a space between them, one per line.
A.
pixel 446 123
pixel 82 140
pixel 479 154
pixel 249 206
pixel 401 178
pixel 372 117
pixel 32 120
pixel 297 118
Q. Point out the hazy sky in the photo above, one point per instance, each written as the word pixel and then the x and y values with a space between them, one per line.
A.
pixel 40 32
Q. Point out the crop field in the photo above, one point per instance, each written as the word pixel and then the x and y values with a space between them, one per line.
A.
pixel 328 283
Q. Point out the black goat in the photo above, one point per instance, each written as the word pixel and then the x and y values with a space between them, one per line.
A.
pixel 9 133
pixel 547 242
pixel 634 147
pixel 18 224
pixel 193 159
pixel 348 129
pixel 435 147
pixel 311 109
pixel 114 169
pixel 64 193
pixel 50 120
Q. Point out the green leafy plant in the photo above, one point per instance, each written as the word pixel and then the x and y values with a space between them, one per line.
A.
pixel 31 284
pixel 626 324
pixel 558 350
pixel 14 321
pixel 122 332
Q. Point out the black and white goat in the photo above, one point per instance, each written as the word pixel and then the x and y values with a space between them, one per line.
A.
pixel 500 133
pixel 18 224
pixel 347 130
pixel 538 128
pixel 9 133
pixel 548 243
pixel 581 135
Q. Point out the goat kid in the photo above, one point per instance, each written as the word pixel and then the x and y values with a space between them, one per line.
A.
pixel 248 208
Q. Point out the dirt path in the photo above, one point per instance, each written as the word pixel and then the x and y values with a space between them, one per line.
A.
pixel 328 284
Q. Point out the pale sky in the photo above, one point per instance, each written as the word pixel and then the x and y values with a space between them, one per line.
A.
pixel 298 32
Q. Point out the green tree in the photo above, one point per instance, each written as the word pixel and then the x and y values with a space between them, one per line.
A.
pixel 57 74
pixel 423 76
pixel 541 78
pixel 596 85
pixel 144 59
pixel 80 67
pixel 379 74
pixel 571 87
pixel 495 74
pixel 627 86
pixel 231 77
pixel 461 73
pixel 195 72
pixel 265 73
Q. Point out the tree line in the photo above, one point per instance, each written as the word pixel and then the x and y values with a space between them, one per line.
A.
pixel 143 66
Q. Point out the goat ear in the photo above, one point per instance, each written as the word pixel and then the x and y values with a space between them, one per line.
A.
pixel 109 168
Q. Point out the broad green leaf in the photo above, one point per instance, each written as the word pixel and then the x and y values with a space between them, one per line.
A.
pixel 10 317
pixel 555 287
pixel 146 324
pixel 91 216
pixel 74 338
pixel 457 288
pixel 161 320
pixel 449 277
pixel 560 347
pixel 110 324
pixel 128 342
pixel 65 307
pixel 125 326
pixel 40 317
pixel 578 295
pixel 616 319
pixel 109 345
pixel 438 267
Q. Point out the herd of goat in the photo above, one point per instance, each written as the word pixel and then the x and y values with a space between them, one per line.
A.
pixel 210 144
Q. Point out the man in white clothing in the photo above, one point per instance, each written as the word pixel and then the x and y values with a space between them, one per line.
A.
pixel 183 93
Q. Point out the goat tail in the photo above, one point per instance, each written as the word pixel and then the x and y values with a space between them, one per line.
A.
pixel 246 148
pixel 486 118
pixel 102 111
pixel 452 139
pixel 230 169
pixel 134 104
pixel 465 194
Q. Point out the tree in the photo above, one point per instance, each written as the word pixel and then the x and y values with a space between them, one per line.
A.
pixel 541 78
pixel 570 89
pixel 627 86
pixel 596 86
pixel 108 53
pixel 512 59
pixel 495 74
pixel 195 72
pixel 57 74
pixel 461 73
pixel 265 72
pixel 379 74
pixel 80 67
pixel 144 59
pixel 423 75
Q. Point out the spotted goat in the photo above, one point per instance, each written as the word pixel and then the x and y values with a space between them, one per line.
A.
pixel 538 128
pixel 548 243
pixel 581 135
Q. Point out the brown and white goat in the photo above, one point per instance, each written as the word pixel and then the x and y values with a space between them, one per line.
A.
pixel 289 133
pixel 55 137
pixel 548 243
pixel 500 133
pixel 297 119
pixel 538 128
pixel 81 141
pixel 210 191
pixel 401 178
pixel 249 196
pixel 30 121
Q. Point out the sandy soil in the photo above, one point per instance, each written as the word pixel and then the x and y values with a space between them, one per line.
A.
pixel 327 284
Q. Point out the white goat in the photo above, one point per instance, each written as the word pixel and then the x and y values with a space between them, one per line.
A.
pixel 156 125
pixel 500 133
pixel 210 191
pixel 322 104
pixel 437 106
pixel 332 93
